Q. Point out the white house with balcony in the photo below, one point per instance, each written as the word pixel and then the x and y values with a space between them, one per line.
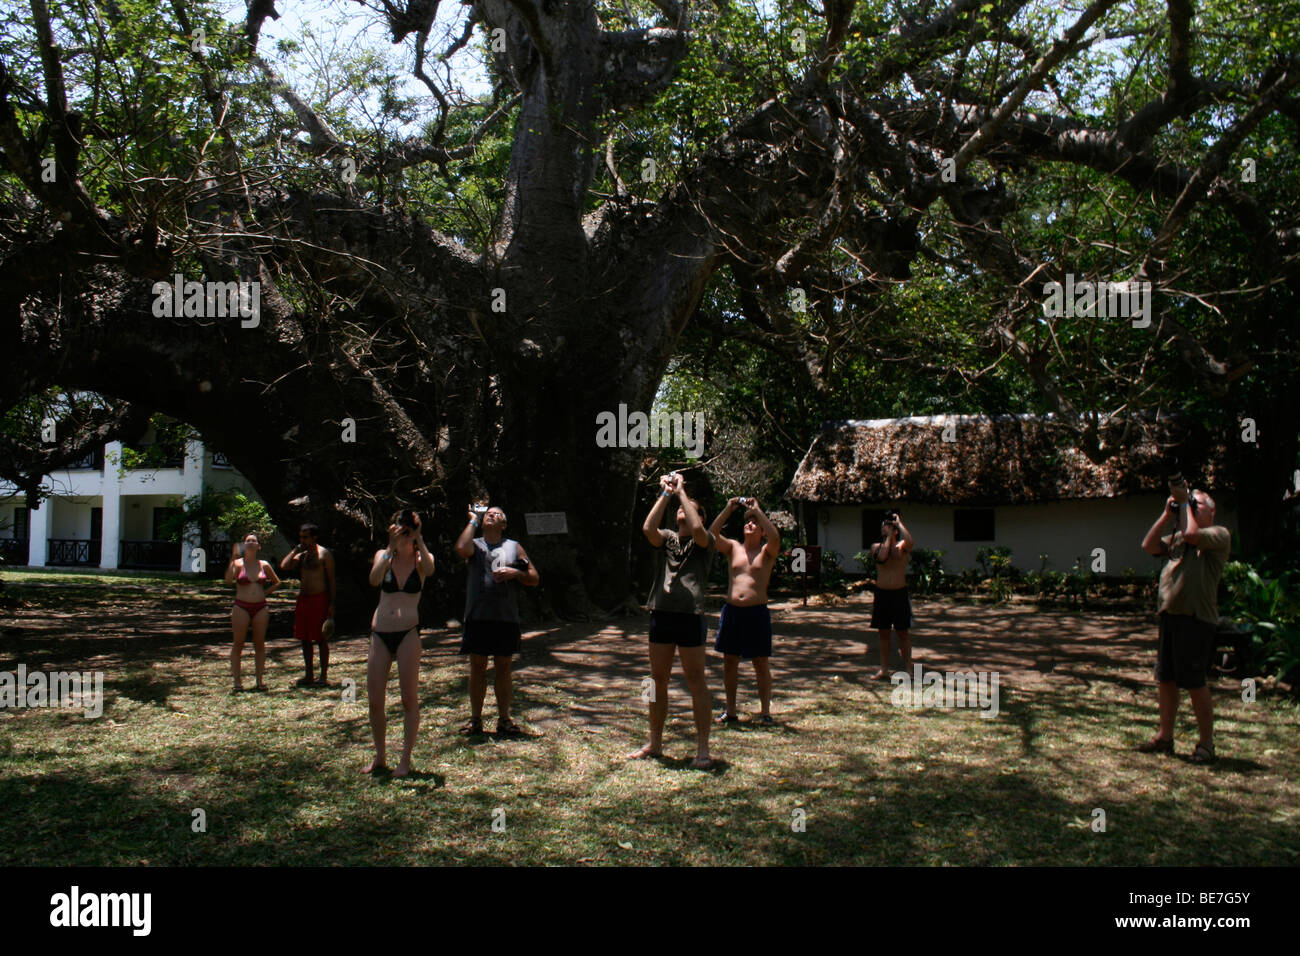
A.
pixel 100 515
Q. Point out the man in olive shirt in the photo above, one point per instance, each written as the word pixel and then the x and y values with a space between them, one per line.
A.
pixel 1197 550
pixel 676 605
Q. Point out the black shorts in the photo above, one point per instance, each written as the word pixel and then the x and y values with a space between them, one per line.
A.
pixel 891 609
pixel 675 627
pixel 746 631
pixel 491 638
pixel 1186 650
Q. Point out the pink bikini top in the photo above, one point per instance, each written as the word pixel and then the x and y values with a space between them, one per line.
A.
pixel 243 576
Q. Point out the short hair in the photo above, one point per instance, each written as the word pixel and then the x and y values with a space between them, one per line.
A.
pixel 1206 499
pixel 310 529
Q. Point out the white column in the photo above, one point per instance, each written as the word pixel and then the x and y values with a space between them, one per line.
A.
pixel 110 548
pixel 192 486
pixel 39 533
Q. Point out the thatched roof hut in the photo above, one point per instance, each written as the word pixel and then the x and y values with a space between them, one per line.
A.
pixel 1003 459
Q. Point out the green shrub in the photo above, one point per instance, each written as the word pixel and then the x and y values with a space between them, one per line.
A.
pixel 833 575
pixel 928 574
pixel 1269 609
pixel 996 562
pixel 868 562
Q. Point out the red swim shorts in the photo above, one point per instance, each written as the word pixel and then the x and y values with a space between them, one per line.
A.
pixel 309 614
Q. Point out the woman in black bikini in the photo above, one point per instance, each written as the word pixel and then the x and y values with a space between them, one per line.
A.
pixel 250 604
pixel 399 573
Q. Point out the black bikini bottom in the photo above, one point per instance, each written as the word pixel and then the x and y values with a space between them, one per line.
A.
pixel 393 639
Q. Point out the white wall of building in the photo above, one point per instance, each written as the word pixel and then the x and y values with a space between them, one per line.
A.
pixel 128 500
pixel 1063 530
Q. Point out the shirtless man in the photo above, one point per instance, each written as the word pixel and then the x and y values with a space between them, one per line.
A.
pixel 676 603
pixel 892 607
pixel 315 599
pixel 745 624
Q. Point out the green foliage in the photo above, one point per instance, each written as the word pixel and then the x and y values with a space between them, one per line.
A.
pixel 1270 610
pixel 220 514
pixel 169 437
pixel 833 575
pixel 996 562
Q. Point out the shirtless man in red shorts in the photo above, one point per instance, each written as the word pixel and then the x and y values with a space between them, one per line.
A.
pixel 315 599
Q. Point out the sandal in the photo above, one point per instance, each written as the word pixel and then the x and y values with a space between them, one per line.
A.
pixel 1157 745
pixel 767 721
pixel 1203 754
pixel 507 728
pixel 726 718
pixel 471 727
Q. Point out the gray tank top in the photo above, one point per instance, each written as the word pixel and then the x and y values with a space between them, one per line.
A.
pixel 487 599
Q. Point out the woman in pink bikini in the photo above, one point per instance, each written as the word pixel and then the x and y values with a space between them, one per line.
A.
pixel 254 580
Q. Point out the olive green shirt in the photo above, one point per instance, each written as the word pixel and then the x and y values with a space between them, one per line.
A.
pixel 681 574
pixel 1189 583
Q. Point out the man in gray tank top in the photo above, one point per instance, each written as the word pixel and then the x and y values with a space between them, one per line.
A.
pixel 676 605
pixel 497 566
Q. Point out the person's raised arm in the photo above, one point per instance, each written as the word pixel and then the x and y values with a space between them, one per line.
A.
pixel 773 544
pixel 693 523
pixel 884 550
pixel 650 527
pixel 425 559
pixel 383 560
pixel 720 540
pixel 905 536
pixel 289 560
pixel 1153 543
pixel 465 543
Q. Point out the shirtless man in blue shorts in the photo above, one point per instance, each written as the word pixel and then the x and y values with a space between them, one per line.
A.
pixel 745 624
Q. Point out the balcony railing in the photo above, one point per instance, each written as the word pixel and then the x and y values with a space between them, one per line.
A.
pixel 170 457
pixel 93 461
pixel 150 555
pixel 13 550
pixel 73 552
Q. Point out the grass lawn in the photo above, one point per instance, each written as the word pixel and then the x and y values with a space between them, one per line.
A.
pixel 278 774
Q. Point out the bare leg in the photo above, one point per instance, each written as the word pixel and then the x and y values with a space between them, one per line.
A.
pixel 501 686
pixel 408 676
pixel 307 662
pixel 378 664
pixel 239 625
pixel 260 622
pixel 905 650
pixel 730 680
pixel 884 655
pixel 1168 692
pixel 763 673
pixel 1204 708
pixel 324 660
pixel 477 685
pixel 701 706
pixel 661 666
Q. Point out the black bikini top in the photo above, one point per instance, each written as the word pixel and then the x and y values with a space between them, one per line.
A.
pixel 389 583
